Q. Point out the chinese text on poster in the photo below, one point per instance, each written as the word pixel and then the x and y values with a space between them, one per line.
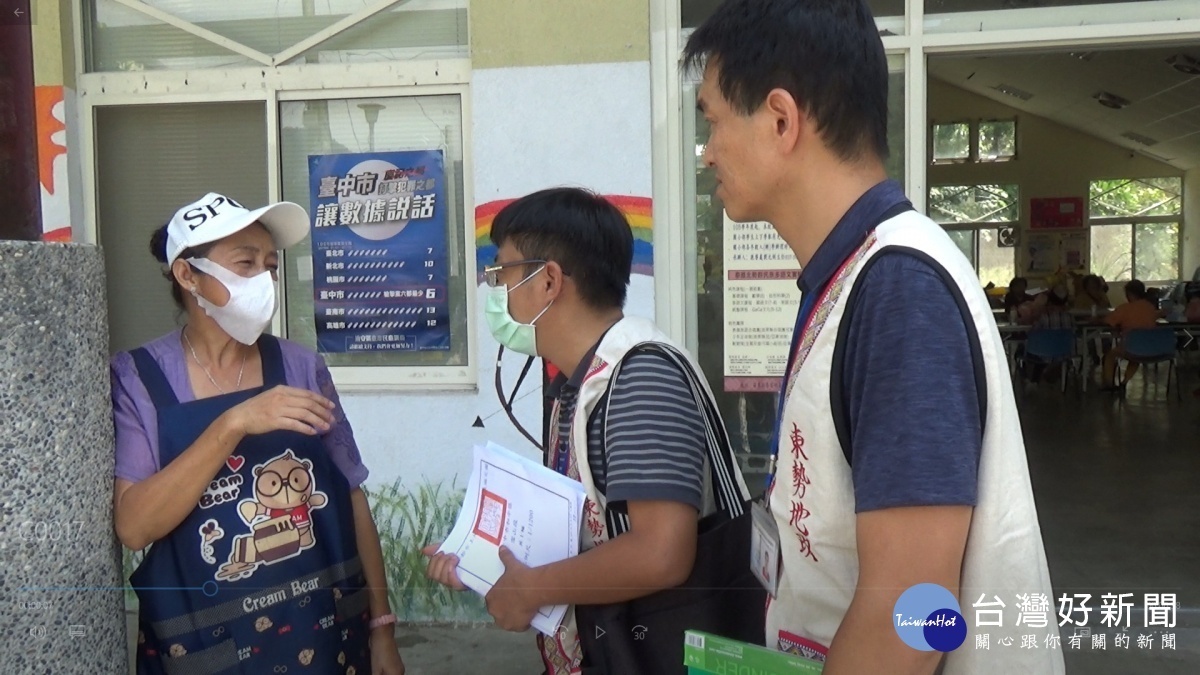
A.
pixel 379 251
pixel 761 300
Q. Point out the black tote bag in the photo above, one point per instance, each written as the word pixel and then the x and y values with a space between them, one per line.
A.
pixel 645 636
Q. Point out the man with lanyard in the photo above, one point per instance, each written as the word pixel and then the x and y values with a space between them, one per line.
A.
pixel 899 452
pixel 625 422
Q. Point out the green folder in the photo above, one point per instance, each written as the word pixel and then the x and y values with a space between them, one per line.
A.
pixel 706 654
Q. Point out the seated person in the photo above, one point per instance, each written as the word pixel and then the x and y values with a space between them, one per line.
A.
pixel 1191 313
pixel 1137 312
pixel 1052 303
pixel 1054 313
pixel 1016 296
pixel 1155 295
pixel 1092 293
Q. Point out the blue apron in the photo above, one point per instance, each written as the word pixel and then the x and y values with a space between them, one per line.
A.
pixel 263 576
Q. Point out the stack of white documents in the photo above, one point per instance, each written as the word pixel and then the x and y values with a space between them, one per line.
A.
pixel 512 501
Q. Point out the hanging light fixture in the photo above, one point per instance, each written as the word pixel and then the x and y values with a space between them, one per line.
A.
pixel 1184 64
pixel 1110 100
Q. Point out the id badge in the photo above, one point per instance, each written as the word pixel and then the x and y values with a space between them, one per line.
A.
pixel 764 548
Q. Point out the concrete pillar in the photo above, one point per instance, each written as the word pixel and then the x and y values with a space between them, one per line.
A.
pixel 61 596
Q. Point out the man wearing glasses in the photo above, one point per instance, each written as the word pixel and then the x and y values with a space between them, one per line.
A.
pixel 635 438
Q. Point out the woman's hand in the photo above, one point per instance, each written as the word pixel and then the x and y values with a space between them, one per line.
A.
pixel 283 408
pixel 385 655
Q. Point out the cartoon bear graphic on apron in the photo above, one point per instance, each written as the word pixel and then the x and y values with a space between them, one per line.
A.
pixel 263 576
pixel 279 516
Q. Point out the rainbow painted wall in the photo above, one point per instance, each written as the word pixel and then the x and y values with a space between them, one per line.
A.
pixel 636 209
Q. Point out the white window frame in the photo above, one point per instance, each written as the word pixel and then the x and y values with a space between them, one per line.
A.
pixel 271 83
pixel 1075 27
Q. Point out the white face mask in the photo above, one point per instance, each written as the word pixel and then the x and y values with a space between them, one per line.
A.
pixel 251 301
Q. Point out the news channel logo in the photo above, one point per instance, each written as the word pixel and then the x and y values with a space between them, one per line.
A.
pixel 927 617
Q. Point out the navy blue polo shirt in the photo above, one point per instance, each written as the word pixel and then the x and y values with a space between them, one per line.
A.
pixel 908 390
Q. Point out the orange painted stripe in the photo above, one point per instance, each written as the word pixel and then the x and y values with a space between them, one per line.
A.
pixel 62 234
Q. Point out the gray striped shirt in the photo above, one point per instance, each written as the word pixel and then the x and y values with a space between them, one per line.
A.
pixel 655 437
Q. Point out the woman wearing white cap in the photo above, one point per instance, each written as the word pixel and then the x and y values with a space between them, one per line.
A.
pixel 235 461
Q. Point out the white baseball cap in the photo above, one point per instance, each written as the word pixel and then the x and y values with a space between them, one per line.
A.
pixel 214 217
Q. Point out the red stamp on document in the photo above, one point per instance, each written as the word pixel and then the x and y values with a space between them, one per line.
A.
pixel 489 522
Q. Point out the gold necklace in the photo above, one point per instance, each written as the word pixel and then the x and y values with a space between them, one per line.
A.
pixel 221 389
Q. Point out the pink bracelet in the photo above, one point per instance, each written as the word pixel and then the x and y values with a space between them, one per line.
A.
pixel 381 621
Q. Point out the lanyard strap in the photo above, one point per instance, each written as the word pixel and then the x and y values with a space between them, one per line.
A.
pixel 562 444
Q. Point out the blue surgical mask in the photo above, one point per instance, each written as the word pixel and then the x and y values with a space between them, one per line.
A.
pixel 514 335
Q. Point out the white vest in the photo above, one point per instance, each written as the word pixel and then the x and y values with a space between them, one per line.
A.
pixel 813 499
pixel 561 654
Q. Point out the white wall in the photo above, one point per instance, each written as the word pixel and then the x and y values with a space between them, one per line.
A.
pixel 534 127
pixel 1052 160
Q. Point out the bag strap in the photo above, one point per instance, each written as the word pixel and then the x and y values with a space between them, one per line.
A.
pixel 153 378
pixel 274 370
pixel 731 500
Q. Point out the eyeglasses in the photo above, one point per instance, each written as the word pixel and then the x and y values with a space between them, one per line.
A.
pixel 270 483
pixel 491 273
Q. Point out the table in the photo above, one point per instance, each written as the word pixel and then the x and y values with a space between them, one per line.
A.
pixel 1012 335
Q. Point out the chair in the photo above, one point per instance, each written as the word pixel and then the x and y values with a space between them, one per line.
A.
pixel 1147 346
pixel 1049 346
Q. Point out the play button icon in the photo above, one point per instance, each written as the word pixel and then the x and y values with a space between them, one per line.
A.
pixel 599 632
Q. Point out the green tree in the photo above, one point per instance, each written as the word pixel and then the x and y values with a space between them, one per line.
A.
pixel 997 140
pixel 1143 250
pixel 961 204
pixel 951 141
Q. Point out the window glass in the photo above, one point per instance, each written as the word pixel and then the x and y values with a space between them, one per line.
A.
pixel 997 262
pixel 352 134
pixel 889 14
pixel 1112 251
pixel 121 38
pixel 974 16
pixel 965 240
pixel 974 203
pixel 951 142
pixel 1156 251
pixel 997 140
pixel 994 260
pixel 1133 233
pixel 990 250
pixel 1135 197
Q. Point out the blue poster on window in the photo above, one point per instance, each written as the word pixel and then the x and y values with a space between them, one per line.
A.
pixel 379 251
